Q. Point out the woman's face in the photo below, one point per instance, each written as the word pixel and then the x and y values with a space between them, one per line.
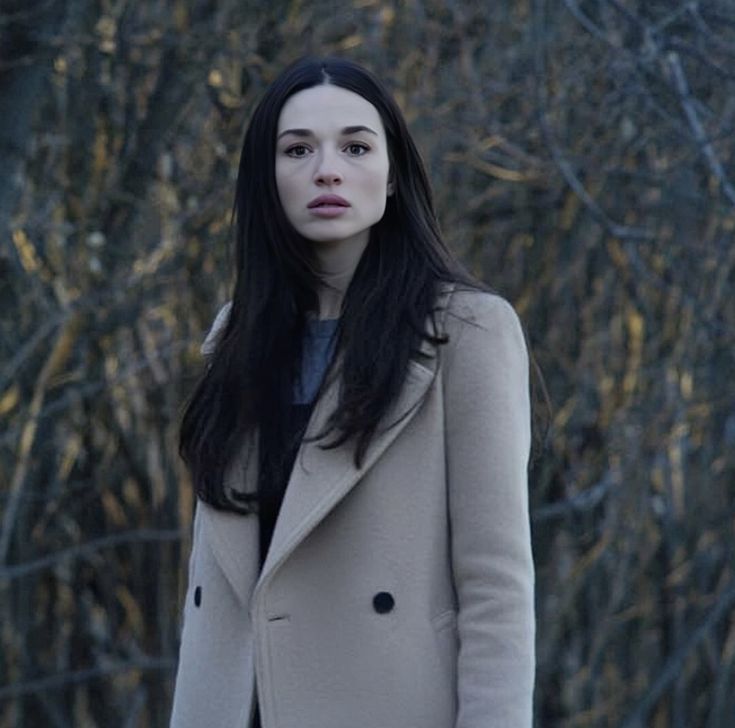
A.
pixel 331 165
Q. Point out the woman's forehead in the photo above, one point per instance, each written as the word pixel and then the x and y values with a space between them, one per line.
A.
pixel 328 109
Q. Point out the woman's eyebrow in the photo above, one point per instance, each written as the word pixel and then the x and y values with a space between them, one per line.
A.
pixel 356 129
pixel 344 132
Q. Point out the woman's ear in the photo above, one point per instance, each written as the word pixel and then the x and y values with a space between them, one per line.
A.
pixel 389 188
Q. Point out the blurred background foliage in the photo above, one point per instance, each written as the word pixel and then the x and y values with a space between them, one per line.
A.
pixel 582 153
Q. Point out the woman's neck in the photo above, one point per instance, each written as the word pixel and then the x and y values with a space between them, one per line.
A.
pixel 336 264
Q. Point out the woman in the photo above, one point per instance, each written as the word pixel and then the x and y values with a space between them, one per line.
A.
pixel 358 444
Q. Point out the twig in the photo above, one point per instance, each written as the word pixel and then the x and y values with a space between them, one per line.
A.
pixel 137 704
pixel 56 360
pixel 700 136
pixel 73 395
pixel 675 44
pixel 74 677
pixel 628 15
pixel 682 89
pixel 710 35
pixel 26 14
pixel 672 668
pixel 584 501
pixel 15 571
pixel 622 232
pixel 586 22
pixel 675 14
pixel 24 352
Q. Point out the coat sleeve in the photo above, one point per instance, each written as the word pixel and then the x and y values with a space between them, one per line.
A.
pixel 190 686
pixel 487 412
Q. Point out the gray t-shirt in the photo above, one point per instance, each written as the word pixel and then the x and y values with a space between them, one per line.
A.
pixel 318 349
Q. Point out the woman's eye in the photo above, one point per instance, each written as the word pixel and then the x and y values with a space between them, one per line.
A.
pixel 297 150
pixel 357 149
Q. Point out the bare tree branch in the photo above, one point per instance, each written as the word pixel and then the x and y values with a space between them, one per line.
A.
pixel 700 136
pixel 585 501
pixel 638 717
pixel 619 231
pixel 55 361
pixel 586 22
pixel 20 94
pixel 89 388
pixel 75 677
pixel 85 550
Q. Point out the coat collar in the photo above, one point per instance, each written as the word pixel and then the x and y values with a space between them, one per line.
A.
pixel 320 479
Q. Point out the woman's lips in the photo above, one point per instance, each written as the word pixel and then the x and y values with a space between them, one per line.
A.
pixel 328 210
pixel 328 206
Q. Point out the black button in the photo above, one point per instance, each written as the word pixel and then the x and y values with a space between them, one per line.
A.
pixel 383 602
pixel 198 596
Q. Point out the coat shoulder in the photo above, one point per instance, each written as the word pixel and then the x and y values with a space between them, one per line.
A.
pixel 475 308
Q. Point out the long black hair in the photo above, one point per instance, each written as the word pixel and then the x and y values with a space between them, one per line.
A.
pixel 384 312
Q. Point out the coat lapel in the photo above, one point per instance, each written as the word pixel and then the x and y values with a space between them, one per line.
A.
pixel 234 539
pixel 319 480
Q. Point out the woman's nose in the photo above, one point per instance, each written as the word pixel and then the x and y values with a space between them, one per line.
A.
pixel 327 172
pixel 328 178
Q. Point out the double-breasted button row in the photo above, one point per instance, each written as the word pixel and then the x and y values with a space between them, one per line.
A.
pixel 383 602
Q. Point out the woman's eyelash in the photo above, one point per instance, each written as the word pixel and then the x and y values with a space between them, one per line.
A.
pixel 360 145
pixel 292 149
pixel 299 150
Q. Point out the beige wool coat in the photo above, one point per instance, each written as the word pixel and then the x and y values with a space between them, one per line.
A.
pixel 397 595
